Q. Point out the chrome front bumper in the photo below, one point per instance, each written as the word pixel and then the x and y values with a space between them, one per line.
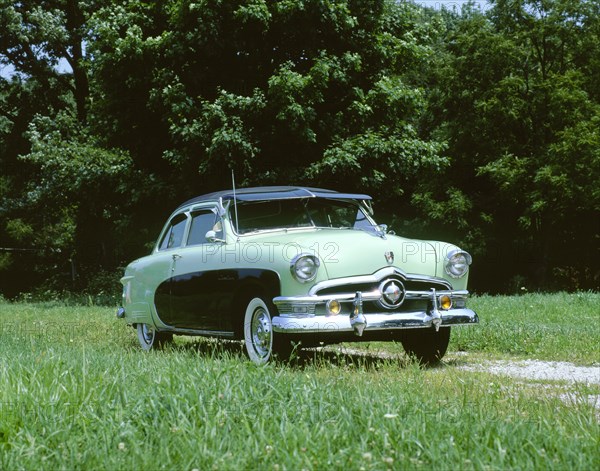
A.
pixel 400 320
pixel 300 317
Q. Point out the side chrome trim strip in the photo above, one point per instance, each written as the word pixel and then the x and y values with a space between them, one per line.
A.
pixel 199 332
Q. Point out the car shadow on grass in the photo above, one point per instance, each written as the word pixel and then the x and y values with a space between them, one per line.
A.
pixel 311 357
pixel 301 358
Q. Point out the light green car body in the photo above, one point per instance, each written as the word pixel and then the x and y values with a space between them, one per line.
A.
pixel 203 287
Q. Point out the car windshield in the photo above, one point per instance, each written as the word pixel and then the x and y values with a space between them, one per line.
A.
pixel 297 213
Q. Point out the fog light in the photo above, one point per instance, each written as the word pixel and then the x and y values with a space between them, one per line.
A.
pixel 445 302
pixel 333 307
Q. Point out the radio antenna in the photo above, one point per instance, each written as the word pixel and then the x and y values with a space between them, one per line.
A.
pixel 234 202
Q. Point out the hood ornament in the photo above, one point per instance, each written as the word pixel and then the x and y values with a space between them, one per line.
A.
pixel 389 256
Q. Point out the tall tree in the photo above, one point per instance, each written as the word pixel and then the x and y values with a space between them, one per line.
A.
pixel 35 36
pixel 516 100
pixel 56 176
pixel 266 88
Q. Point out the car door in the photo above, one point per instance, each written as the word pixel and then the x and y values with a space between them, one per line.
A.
pixel 163 263
pixel 198 298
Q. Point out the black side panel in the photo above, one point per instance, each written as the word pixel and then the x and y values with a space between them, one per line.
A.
pixel 162 299
pixel 204 300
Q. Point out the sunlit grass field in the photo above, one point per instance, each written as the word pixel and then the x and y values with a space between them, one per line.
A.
pixel 77 393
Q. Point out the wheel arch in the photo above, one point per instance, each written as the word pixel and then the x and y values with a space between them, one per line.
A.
pixel 262 283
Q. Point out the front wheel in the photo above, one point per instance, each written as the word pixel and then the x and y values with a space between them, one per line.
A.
pixel 427 346
pixel 150 338
pixel 260 341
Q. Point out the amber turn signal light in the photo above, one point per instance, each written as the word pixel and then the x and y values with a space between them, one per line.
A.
pixel 445 302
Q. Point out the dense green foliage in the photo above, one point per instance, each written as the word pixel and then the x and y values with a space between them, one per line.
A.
pixel 76 392
pixel 480 128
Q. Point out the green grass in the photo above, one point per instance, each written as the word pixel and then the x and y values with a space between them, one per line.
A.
pixel 556 326
pixel 77 393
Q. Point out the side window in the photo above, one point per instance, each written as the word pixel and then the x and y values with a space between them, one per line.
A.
pixel 174 235
pixel 361 221
pixel 202 222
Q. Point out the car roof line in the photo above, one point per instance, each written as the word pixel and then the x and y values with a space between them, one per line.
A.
pixel 273 193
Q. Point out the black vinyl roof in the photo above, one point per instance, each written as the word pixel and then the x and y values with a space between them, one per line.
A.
pixel 263 193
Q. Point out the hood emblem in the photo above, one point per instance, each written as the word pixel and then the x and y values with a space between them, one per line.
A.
pixel 389 256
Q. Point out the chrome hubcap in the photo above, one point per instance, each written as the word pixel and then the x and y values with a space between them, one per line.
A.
pixel 261 332
pixel 148 333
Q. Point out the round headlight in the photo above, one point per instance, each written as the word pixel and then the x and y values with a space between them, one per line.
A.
pixel 457 263
pixel 304 267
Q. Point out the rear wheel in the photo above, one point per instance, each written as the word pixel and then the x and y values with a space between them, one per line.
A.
pixel 150 338
pixel 261 343
pixel 427 346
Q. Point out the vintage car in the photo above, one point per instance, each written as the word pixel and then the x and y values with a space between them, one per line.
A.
pixel 289 267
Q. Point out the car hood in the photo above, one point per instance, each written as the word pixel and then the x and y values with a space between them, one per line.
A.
pixel 355 252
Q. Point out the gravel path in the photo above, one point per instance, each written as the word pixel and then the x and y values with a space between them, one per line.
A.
pixel 540 370
pixel 528 370
pixel 524 369
pixel 547 370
